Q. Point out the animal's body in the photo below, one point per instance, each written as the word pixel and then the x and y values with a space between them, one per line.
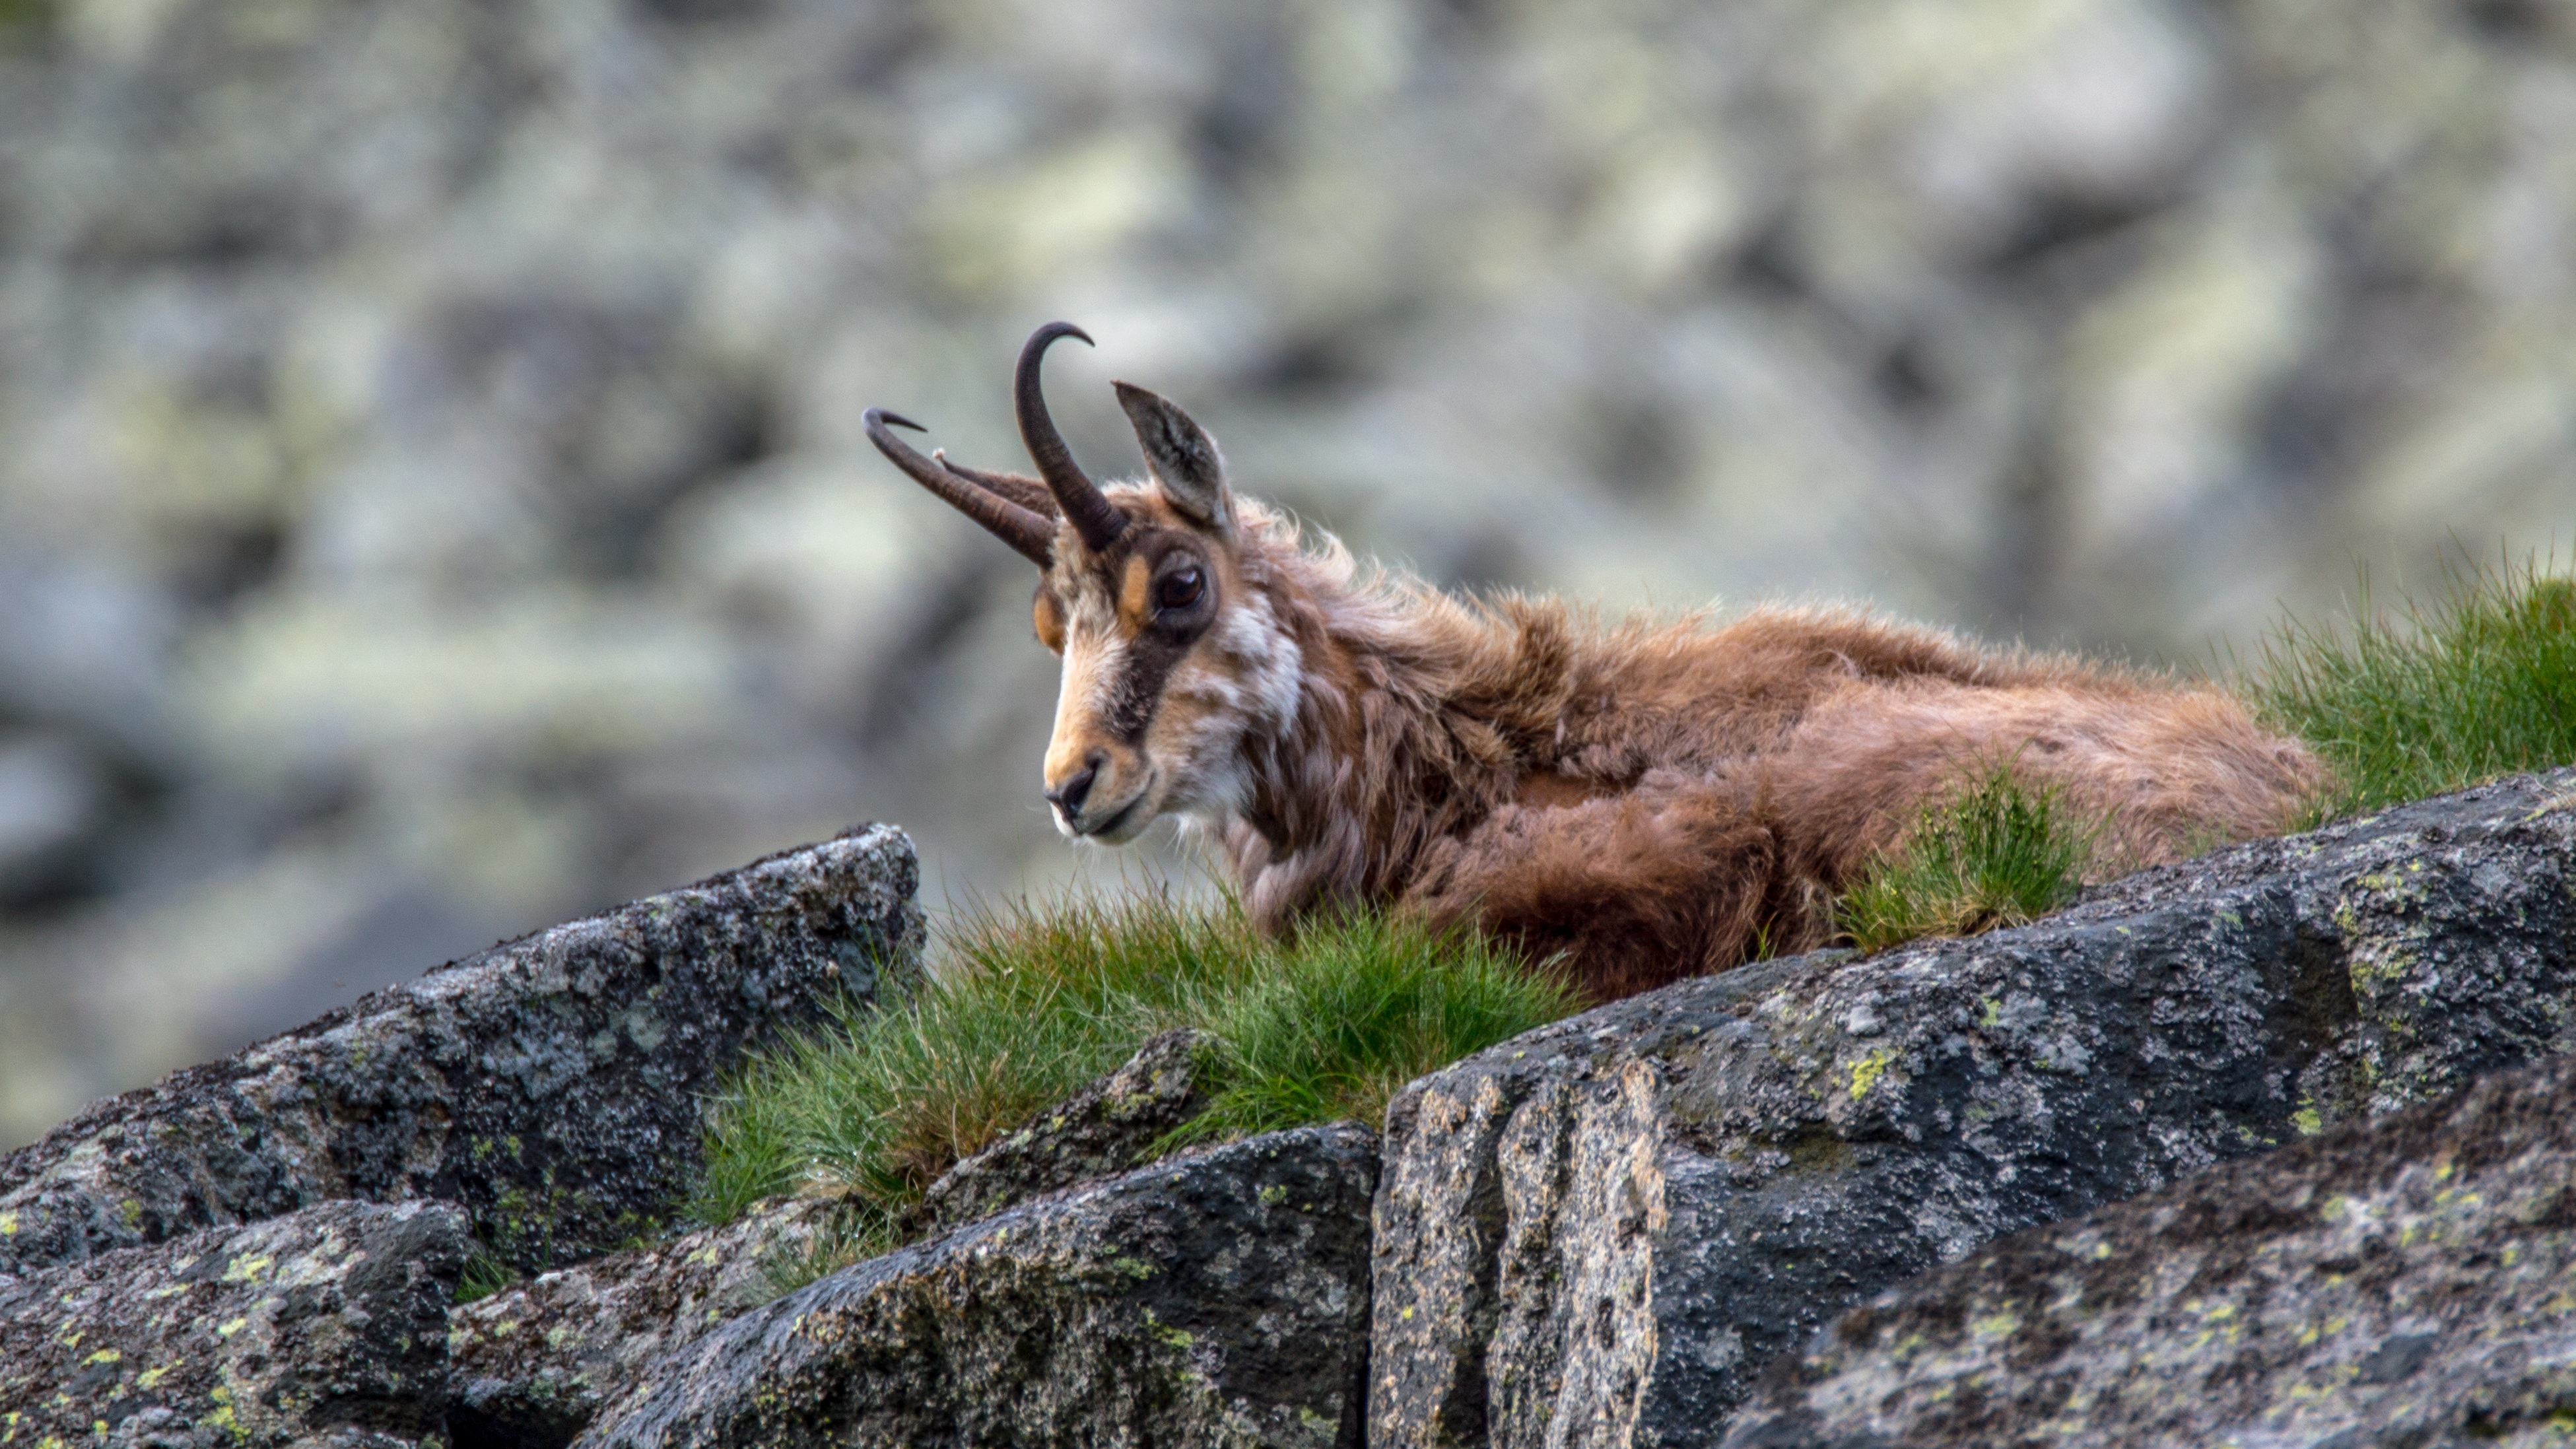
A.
pixel 1651 798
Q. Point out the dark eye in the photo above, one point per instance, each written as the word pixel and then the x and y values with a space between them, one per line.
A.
pixel 1179 590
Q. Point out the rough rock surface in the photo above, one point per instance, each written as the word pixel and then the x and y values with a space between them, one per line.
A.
pixel 2398 1281
pixel 1100 1131
pixel 1600 1232
pixel 1217 1299
pixel 534 1363
pixel 330 1321
pixel 549 1084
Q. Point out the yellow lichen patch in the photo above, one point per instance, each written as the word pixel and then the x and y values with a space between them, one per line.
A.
pixel 1866 1072
pixel 104 1355
pixel 1995 1325
pixel 8 1228
pixel 222 1418
pixel 151 1378
pixel 2309 1121
pixel 245 1268
pixel 227 1330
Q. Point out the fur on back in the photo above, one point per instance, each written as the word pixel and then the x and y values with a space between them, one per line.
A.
pixel 1656 797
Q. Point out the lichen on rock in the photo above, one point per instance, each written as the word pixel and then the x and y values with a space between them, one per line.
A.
pixel 549 1084
pixel 533 1363
pixel 1219 1298
pixel 2396 1281
pixel 330 1322
pixel 1604 1229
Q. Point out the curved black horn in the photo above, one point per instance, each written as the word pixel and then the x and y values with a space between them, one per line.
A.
pixel 1023 530
pixel 1027 492
pixel 1093 520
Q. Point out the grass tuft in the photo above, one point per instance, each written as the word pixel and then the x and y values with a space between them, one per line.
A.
pixel 1997 852
pixel 486 1273
pixel 2438 697
pixel 1027 1005
pixel 1360 1007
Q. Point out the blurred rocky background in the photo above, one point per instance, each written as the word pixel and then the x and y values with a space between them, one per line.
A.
pixel 432 501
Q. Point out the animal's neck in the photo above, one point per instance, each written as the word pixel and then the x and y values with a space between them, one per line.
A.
pixel 1412 722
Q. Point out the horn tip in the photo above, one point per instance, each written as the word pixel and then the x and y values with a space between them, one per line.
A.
pixel 880 417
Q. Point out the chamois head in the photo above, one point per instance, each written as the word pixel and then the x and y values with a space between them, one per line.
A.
pixel 1170 661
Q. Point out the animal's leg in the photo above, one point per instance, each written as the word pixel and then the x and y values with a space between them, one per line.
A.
pixel 1635 890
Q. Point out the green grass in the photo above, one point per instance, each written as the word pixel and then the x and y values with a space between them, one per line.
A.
pixel 486 1273
pixel 1026 1005
pixel 2435 698
pixel 1360 1007
pixel 1996 852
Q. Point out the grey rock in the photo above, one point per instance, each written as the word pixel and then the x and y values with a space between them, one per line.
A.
pixel 534 1363
pixel 1599 1233
pixel 327 1324
pixel 549 1084
pixel 1217 1299
pixel 1100 1131
pixel 2397 1281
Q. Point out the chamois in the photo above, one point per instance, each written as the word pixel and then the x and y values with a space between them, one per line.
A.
pixel 1653 799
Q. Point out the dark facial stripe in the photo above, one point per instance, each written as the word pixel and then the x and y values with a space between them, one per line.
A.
pixel 1151 658
pixel 1152 654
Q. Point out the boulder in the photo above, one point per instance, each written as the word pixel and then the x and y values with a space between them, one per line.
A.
pixel 328 1323
pixel 534 1363
pixel 1216 1299
pixel 2397 1281
pixel 1101 1131
pixel 549 1084
pixel 1599 1233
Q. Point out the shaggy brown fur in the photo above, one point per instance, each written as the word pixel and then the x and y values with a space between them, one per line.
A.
pixel 1651 799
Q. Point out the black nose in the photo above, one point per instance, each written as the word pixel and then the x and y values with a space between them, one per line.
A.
pixel 1068 797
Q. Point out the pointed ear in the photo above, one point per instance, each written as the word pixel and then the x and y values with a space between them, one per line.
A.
pixel 1182 457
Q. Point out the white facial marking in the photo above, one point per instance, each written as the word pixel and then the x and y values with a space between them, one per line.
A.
pixel 1270 660
pixel 1246 682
